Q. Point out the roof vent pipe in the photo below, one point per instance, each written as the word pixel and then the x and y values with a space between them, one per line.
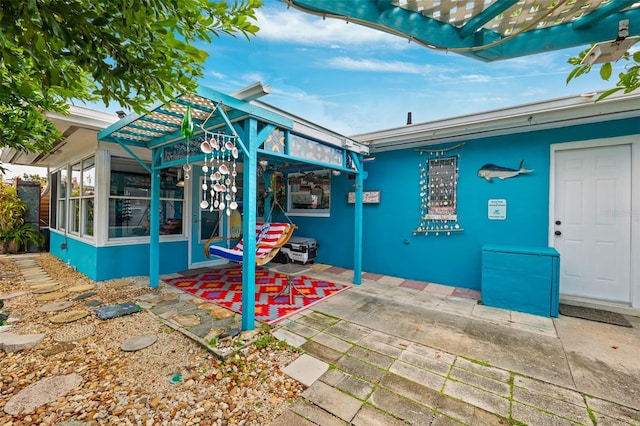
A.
pixel 409 120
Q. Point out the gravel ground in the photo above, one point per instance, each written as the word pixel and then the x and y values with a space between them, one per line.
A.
pixel 134 388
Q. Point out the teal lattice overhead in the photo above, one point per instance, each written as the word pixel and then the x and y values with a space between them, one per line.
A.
pixel 488 30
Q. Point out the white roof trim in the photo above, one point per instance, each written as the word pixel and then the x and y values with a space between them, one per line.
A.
pixel 85 117
pixel 562 112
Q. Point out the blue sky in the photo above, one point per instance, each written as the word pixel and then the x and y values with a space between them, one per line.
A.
pixel 352 79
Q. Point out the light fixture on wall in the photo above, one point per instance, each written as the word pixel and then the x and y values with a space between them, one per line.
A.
pixel 611 51
pixel 335 172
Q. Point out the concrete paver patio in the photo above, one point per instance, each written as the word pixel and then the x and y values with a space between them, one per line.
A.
pixel 404 355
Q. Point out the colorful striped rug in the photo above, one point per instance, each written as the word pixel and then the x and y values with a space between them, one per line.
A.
pixel 224 288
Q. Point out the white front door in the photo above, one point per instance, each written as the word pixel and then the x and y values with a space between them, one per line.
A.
pixel 592 223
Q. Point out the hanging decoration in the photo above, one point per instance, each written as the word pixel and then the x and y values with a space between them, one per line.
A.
pixel 187 132
pixel 438 186
pixel 220 162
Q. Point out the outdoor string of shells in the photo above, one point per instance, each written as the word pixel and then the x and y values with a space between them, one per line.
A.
pixel 219 188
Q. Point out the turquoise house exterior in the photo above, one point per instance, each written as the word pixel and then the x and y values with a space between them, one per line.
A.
pixel 393 237
pixel 534 133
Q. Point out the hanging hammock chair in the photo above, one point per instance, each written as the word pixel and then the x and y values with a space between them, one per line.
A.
pixel 270 238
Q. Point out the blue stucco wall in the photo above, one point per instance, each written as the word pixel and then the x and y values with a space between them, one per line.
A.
pixel 104 263
pixel 389 246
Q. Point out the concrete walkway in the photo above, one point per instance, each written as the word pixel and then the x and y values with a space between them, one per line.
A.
pixel 394 352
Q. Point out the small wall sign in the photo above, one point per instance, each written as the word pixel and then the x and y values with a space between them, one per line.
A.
pixel 497 209
pixel 368 197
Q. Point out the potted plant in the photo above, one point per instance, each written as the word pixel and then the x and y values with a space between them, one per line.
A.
pixel 15 234
pixel 18 238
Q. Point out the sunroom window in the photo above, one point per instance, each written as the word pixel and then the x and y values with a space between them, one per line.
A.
pixel 130 200
pixel 74 198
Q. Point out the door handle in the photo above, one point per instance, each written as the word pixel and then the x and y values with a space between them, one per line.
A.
pixel 558 233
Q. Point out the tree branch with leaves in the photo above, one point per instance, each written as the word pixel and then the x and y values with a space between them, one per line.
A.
pixel 130 52
pixel 628 79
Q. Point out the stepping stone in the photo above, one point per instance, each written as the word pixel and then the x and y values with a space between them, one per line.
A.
pixel 37 277
pixel 41 392
pixel 136 343
pixel 119 283
pixel 213 334
pixel 10 342
pixel 48 289
pixel 248 335
pixel 57 348
pixel 81 287
pixel 219 312
pixel 12 295
pixel 54 295
pixel 113 311
pixel 34 276
pixel 39 281
pixel 230 333
pixel 74 332
pixel 74 423
pixel 85 295
pixel 56 306
pixel 92 303
pixel 38 286
pixel 8 275
pixel 32 271
pixel 186 320
pixel 5 328
pixel 69 316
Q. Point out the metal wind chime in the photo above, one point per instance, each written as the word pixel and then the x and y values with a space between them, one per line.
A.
pixel 219 187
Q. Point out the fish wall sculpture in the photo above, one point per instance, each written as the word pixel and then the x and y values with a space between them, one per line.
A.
pixel 490 171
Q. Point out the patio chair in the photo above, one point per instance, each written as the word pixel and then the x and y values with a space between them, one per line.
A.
pixel 270 237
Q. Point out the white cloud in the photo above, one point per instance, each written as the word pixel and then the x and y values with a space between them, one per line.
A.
pixel 476 78
pixel 214 74
pixel 373 65
pixel 252 77
pixel 293 26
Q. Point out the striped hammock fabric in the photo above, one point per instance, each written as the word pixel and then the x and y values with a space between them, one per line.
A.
pixel 270 237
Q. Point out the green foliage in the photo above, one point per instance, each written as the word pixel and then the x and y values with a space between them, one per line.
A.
pixel 12 226
pixel 12 208
pixel 35 178
pixel 129 52
pixel 264 341
pixel 628 80
pixel 22 236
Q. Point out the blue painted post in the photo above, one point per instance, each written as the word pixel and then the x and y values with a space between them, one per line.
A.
pixel 268 200
pixel 154 220
pixel 357 234
pixel 250 187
